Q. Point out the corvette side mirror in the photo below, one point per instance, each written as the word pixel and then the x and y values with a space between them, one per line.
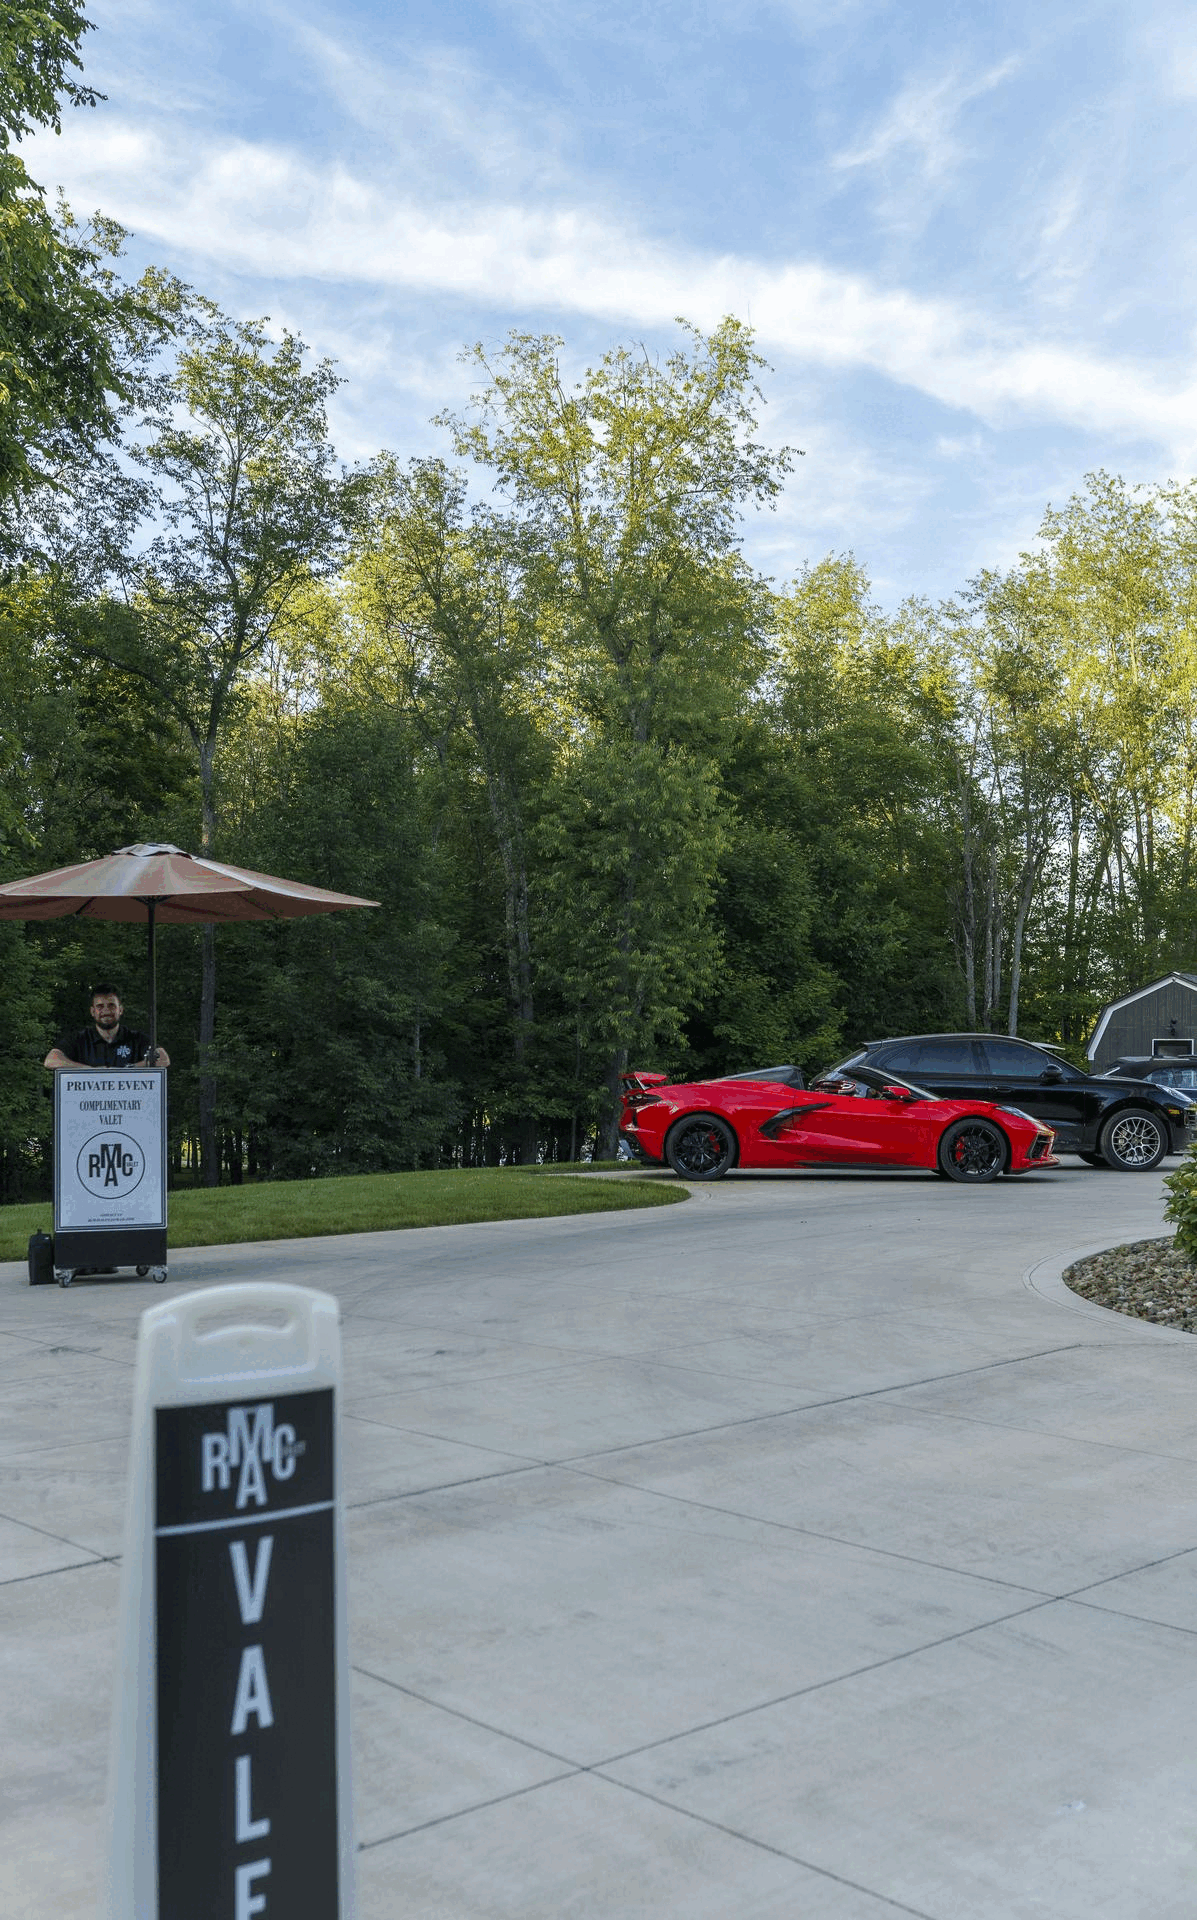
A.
pixel 901 1094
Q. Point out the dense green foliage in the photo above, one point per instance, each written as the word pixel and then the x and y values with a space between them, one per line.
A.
pixel 71 335
pixel 1181 1207
pixel 623 801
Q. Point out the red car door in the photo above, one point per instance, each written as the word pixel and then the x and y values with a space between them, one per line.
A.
pixel 852 1129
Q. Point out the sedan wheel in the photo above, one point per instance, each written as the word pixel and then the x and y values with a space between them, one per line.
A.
pixel 700 1147
pixel 972 1150
pixel 1134 1141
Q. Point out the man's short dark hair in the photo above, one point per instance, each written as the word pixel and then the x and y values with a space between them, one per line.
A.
pixel 103 990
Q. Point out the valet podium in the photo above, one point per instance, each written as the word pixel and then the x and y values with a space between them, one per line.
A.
pixel 110 1171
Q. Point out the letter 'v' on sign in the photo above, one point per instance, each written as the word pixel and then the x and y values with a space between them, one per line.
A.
pixel 251 1589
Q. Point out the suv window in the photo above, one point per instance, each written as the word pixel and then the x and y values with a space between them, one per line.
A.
pixel 1012 1060
pixel 947 1055
pixel 1174 1076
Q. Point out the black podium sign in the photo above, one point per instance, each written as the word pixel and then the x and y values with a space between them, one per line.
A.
pixel 245 1672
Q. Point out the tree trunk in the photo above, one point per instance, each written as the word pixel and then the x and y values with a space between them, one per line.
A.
pixel 522 1135
pixel 968 916
pixel 609 1125
pixel 209 1146
pixel 992 943
pixel 1031 871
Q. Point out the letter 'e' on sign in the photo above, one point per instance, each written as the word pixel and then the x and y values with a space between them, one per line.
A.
pixel 230 1780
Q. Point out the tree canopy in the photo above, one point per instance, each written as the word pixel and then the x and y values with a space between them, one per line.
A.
pixel 71 333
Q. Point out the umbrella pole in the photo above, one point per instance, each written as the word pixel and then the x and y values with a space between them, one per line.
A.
pixel 151 904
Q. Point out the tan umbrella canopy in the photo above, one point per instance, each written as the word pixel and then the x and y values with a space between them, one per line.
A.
pixel 153 883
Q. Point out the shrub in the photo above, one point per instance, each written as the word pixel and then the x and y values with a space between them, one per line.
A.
pixel 1182 1201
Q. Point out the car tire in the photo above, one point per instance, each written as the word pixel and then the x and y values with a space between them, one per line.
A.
pixel 700 1146
pixel 973 1151
pixel 1134 1141
pixel 1093 1159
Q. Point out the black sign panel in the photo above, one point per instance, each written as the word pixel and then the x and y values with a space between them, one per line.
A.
pixel 246 1679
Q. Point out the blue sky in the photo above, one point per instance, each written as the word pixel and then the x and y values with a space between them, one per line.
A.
pixel 966 235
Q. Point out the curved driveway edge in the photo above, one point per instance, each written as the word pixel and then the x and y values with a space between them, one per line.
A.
pixel 1046 1278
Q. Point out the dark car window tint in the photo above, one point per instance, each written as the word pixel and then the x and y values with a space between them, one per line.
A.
pixel 930 1056
pixel 1008 1058
pixel 897 1059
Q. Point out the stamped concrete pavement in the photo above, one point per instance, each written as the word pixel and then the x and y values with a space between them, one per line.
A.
pixel 785 1553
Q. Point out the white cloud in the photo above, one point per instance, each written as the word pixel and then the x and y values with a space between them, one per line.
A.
pixel 922 120
pixel 434 113
pixel 915 147
pixel 261 210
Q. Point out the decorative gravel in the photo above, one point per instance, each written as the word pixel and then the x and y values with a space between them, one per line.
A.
pixel 1151 1279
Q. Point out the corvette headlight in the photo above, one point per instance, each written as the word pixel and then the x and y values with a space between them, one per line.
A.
pixel 1028 1117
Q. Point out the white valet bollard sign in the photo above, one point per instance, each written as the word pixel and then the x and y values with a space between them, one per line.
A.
pixel 230 1783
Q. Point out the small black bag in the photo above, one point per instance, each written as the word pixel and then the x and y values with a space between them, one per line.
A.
pixel 41 1260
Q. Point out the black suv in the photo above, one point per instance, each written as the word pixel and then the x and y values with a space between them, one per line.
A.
pixel 1115 1123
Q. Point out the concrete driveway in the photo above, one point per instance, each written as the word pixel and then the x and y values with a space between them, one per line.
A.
pixel 782 1554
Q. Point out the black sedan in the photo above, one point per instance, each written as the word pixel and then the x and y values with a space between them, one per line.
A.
pixel 1126 1124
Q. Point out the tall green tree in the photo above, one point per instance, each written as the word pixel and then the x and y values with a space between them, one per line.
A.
pixel 633 481
pixel 245 505
pixel 862 710
pixel 71 334
pixel 450 638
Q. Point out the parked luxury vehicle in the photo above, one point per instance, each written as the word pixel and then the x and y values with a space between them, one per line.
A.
pixel 1128 1124
pixel 1162 1072
pixel 767 1118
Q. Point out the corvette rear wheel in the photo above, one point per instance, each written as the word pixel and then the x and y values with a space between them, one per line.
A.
pixel 1134 1141
pixel 973 1150
pixel 700 1147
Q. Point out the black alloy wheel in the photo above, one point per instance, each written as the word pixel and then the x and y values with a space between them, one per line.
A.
pixel 1134 1141
pixel 700 1147
pixel 973 1150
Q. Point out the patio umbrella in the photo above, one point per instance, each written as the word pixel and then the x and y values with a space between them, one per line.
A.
pixel 155 883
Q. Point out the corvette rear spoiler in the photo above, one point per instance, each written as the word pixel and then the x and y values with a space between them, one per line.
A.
pixel 642 1082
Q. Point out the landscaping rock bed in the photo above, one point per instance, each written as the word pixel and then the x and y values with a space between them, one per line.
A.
pixel 1150 1279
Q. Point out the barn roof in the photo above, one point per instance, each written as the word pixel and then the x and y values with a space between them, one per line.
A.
pixel 1140 993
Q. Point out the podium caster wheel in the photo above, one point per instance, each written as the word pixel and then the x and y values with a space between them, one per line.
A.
pixel 141 1272
pixel 64 1275
pixel 158 1275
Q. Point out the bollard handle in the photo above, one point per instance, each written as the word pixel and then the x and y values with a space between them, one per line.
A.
pixel 234 1332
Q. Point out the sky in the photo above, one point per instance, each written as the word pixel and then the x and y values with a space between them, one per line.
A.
pixel 965 235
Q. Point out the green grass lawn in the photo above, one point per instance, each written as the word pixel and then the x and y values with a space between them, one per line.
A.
pixel 368 1203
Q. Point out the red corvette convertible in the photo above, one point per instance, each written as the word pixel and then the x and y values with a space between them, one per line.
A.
pixel 767 1118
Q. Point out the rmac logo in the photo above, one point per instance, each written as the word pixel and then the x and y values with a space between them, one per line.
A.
pixel 110 1165
pixel 250 1447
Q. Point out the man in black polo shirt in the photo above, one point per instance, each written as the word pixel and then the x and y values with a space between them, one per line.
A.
pixel 108 1044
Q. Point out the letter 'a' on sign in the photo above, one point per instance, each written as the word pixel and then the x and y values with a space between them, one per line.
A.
pixel 229 1790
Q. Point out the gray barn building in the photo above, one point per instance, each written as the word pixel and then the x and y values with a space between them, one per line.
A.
pixel 1159 1019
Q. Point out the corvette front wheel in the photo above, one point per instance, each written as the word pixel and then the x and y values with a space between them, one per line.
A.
pixel 973 1150
pixel 700 1147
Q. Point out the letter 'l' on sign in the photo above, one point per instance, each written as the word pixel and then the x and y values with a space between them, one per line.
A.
pixel 230 1789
